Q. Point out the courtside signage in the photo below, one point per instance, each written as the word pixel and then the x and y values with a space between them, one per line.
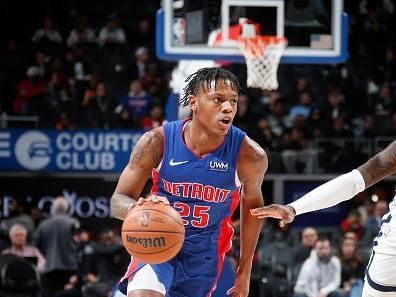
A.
pixel 66 151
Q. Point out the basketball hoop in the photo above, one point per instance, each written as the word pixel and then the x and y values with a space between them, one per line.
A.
pixel 262 55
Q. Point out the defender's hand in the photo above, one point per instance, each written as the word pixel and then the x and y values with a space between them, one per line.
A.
pixel 285 213
pixel 153 198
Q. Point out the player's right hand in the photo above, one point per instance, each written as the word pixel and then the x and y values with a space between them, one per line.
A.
pixel 285 213
pixel 153 198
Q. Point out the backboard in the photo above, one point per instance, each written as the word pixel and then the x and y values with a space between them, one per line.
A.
pixel 316 30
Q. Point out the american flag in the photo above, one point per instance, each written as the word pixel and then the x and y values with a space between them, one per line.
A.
pixel 321 41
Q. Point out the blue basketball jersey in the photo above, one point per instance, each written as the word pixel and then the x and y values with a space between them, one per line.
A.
pixel 205 190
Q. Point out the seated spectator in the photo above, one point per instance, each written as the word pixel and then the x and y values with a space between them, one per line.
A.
pixel 244 116
pixel 82 34
pixel 320 275
pixel 48 33
pixel 309 236
pixel 17 214
pixel 30 92
pixel 111 33
pixel 156 119
pixel 380 209
pixel 137 68
pixel 264 135
pixel 99 111
pixel 277 117
pixel 353 223
pixel 339 128
pixel 108 263
pixel 137 101
pixel 372 224
pixel 352 267
pixel 304 106
pixel 64 122
pixel 335 106
pixel 144 35
pixel 296 155
pixel 20 248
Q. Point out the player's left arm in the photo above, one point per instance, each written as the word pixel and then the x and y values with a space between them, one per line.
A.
pixel 252 165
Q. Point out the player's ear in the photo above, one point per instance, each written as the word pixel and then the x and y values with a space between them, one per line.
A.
pixel 192 100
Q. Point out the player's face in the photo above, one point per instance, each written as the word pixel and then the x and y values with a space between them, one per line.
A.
pixel 215 107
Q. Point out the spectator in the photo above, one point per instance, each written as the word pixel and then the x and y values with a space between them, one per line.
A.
pixel 20 247
pixel 17 215
pixel 54 238
pixel 335 106
pixel 99 112
pixel 137 101
pixel 81 35
pixel 264 135
pixel 304 106
pixel 84 253
pixel 373 224
pixel 109 262
pixel 277 118
pixel 138 67
pixel 48 33
pixel 320 275
pixel 244 116
pixel 144 35
pixel 111 33
pixel 380 209
pixel 309 236
pixel 353 223
pixel 352 267
pixel 296 155
pixel 64 122
pixel 155 119
pixel 30 93
pixel 339 128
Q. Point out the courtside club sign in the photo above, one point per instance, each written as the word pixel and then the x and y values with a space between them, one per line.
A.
pixel 66 151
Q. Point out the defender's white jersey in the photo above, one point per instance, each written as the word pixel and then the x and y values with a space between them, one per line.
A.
pixel 385 242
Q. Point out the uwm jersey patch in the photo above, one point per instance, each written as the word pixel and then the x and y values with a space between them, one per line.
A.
pixel 205 191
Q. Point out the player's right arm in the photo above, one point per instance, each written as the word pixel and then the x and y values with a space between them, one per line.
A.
pixel 146 155
pixel 337 190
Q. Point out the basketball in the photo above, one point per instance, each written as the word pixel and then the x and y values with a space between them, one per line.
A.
pixel 153 233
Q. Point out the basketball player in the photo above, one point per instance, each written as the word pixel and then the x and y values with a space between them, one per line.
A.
pixel 199 166
pixel 381 271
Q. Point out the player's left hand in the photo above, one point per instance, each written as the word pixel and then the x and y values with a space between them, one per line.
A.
pixel 241 285
pixel 285 213
pixel 153 198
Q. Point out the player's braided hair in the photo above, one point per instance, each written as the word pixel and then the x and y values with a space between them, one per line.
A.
pixel 203 78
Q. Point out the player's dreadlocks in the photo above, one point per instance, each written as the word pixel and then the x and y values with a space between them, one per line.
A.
pixel 203 78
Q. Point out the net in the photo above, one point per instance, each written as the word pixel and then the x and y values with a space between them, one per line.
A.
pixel 262 55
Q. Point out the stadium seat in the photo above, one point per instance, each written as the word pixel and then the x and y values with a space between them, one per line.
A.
pixel 18 277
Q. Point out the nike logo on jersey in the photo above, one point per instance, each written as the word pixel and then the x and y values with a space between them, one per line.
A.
pixel 173 163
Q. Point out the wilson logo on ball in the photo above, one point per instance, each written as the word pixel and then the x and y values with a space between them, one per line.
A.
pixel 147 242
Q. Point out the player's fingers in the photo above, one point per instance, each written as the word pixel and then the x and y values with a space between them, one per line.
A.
pixel 163 199
pixel 230 291
pixel 262 216
pixel 154 198
pixel 140 201
pixel 264 210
